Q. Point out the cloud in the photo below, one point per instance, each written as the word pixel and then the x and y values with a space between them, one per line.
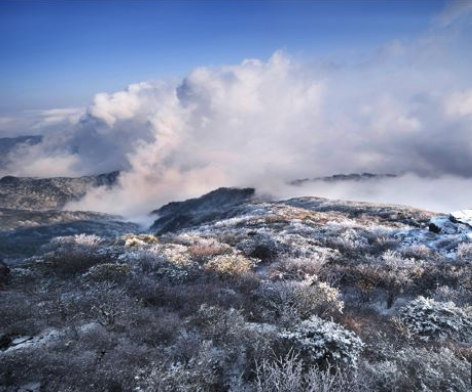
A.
pixel 460 104
pixel 48 118
pixel 441 194
pixel 404 109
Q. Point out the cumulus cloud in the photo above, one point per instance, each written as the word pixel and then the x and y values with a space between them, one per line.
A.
pixel 404 109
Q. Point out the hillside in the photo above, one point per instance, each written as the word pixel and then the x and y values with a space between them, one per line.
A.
pixel 228 292
pixel 48 193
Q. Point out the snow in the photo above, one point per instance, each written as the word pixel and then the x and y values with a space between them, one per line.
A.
pixel 463 216
pixel 25 342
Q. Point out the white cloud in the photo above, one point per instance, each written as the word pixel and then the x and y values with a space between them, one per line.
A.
pixel 460 103
pixel 47 118
pixel 121 105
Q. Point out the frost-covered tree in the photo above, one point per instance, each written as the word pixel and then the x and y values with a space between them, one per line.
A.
pixel 417 369
pixel 396 273
pixel 289 301
pixel 288 375
pixel 321 342
pixel 430 319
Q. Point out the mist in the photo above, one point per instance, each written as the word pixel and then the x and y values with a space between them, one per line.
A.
pixel 403 108
pixel 442 194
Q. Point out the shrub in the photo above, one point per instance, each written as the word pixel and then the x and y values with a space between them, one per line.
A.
pixel 297 268
pixel 396 273
pixel 219 325
pixel 349 242
pixel 109 272
pixel 110 303
pixel 436 320
pixel 418 252
pixel 260 245
pixel 288 375
pixel 418 370
pixel 230 265
pixel 133 240
pixel 289 302
pixel 205 248
pixel 202 372
pixel 73 254
pixel 464 251
pixel 168 261
pixel 322 342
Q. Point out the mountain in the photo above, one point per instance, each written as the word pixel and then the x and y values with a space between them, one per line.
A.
pixel 213 205
pixel 344 177
pixel 228 203
pixel 48 193
pixel 232 281
pixel 23 232
pixel 30 212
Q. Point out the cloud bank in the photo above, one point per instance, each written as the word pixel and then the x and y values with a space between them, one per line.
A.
pixel 406 108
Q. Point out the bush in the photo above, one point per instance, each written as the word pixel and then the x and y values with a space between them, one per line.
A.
pixel 73 254
pixel 288 375
pixel 396 273
pixel 436 320
pixel 110 303
pixel 260 245
pixel 202 372
pixel 464 251
pixel 290 302
pixel 230 265
pixel 324 342
pixel 418 370
pixel 168 261
pixel 205 248
pixel 349 242
pixel 297 268
pixel 109 272
pixel 133 240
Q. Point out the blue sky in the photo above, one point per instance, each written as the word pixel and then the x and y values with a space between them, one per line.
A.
pixel 59 54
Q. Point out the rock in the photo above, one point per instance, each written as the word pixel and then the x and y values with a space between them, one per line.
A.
pixel 5 341
pixel 433 227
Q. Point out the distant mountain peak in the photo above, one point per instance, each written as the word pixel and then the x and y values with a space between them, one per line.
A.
pixel 345 177
pixel 30 193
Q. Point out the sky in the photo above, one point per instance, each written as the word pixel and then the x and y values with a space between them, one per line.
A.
pixel 60 53
pixel 185 97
